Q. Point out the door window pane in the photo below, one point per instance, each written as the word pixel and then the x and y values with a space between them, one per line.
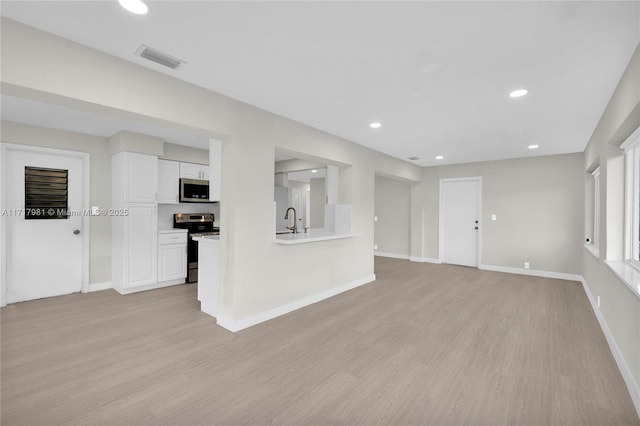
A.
pixel 46 193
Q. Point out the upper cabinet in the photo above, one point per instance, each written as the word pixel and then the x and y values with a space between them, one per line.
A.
pixel 194 171
pixel 168 181
pixel 136 175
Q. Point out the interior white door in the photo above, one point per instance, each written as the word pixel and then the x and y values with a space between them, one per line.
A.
pixel 44 256
pixel 460 217
pixel 299 201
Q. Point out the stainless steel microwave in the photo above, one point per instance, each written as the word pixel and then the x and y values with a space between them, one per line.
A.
pixel 194 191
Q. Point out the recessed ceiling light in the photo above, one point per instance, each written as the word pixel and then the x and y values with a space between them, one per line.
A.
pixel 440 157
pixel 135 6
pixel 375 125
pixel 533 146
pixel 314 171
pixel 518 93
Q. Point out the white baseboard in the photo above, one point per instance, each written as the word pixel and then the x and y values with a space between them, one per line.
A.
pixel 391 255
pixel 424 259
pixel 237 325
pixel 150 286
pixel 100 286
pixel 532 272
pixel 632 385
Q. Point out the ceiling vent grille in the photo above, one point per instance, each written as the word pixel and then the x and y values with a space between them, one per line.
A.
pixel 159 57
pixel 414 158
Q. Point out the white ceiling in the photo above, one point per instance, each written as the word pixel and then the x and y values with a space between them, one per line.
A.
pixel 435 74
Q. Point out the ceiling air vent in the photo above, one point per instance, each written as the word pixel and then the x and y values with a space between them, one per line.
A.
pixel 159 57
pixel 414 158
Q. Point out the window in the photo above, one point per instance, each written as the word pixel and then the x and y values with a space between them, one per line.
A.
pixel 46 193
pixel 632 198
pixel 596 207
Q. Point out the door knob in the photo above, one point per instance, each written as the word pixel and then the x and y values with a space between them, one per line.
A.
pixel 76 232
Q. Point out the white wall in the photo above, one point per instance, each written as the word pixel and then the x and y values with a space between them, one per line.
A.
pixel 281 197
pixel 100 188
pixel 185 154
pixel 393 209
pixel 538 203
pixel 620 307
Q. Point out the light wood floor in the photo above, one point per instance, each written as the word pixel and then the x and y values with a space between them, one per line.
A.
pixel 424 344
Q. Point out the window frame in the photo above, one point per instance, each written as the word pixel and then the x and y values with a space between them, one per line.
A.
pixel 595 236
pixel 631 149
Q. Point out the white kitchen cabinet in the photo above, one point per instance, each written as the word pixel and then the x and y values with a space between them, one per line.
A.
pixel 168 181
pixel 194 171
pixel 137 177
pixel 134 221
pixel 172 257
pixel 134 245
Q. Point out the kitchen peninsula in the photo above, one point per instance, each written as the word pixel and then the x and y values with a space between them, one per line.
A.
pixel 209 273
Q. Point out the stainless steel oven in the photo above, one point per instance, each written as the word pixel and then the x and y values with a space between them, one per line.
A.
pixel 197 224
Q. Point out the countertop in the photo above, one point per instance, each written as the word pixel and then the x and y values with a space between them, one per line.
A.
pixel 172 231
pixel 313 235
pixel 207 238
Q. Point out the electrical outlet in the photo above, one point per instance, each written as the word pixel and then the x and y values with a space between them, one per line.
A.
pixel 598 301
pixel 526 265
pixel 375 247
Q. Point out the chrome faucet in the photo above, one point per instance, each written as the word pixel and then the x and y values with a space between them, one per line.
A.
pixel 294 228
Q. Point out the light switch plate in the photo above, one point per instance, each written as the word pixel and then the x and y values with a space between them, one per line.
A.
pixel 494 218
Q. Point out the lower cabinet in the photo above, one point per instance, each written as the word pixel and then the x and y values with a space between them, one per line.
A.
pixel 172 257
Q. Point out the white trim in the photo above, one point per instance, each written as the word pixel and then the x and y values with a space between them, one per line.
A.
pixel 632 234
pixel 631 198
pixel 632 386
pixel 152 286
pixel 441 215
pixel 593 250
pixel 86 202
pixel 596 208
pixel 100 286
pixel 627 273
pixel 237 325
pixel 631 141
pixel 391 255
pixel 532 272
pixel 424 259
